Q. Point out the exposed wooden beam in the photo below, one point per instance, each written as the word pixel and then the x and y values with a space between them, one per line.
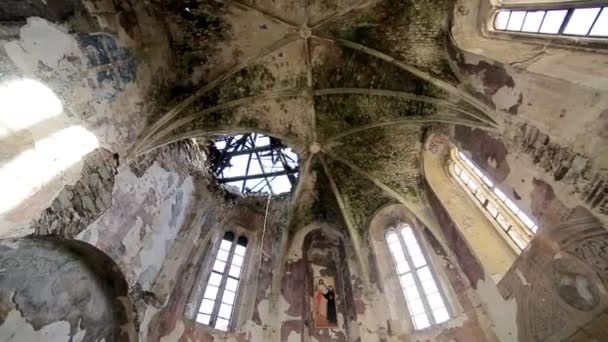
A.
pixel 258 176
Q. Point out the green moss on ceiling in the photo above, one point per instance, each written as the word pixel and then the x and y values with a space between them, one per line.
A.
pixel 318 203
pixel 361 197
pixel 197 33
pixel 354 69
pixel 389 154
pixel 410 30
pixel 337 113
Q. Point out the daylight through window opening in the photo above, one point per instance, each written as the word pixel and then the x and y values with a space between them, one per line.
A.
pixel 505 213
pixel 582 21
pixel 217 306
pixel 424 299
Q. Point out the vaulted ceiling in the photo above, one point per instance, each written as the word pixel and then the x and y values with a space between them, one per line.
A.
pixel 351 85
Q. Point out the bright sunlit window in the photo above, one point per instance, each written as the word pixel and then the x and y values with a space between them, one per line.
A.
pixel 254 163
pixel 584 22
pixel 505 214
pixel 424 299
pixel 217 306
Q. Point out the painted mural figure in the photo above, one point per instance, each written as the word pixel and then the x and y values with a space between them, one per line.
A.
pixel 330 296
pixel 325 314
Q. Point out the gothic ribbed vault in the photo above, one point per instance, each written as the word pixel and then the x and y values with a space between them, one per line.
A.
pixel 352 86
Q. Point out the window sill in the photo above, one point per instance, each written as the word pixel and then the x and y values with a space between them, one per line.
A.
pixel 588 44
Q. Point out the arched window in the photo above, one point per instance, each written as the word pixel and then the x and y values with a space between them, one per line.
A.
pixel 511 222
pixel 424 299
pixel 581 20
pixel 217 306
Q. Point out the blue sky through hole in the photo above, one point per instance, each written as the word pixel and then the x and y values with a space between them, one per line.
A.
pixel 263 162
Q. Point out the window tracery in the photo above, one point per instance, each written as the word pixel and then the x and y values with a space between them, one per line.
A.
pixel 581 20
pixel 505 214
pixel 425 301
pixel 216 309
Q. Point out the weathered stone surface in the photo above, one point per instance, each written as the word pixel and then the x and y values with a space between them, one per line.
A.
pixel 78 205
pixel 144 76
pixel 61 290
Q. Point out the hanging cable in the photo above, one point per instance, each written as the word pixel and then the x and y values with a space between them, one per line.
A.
pixel 264 230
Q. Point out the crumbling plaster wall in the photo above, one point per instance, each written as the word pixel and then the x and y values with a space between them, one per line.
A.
pixel 534 294
pixel 550 145
pixel 58 290
pixel 172 318
pixel 101 85
pixel 484 257
pixel 469 321
pixel 572 60
pixel 76 90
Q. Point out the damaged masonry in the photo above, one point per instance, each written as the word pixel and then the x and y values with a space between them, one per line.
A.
pixel 290 170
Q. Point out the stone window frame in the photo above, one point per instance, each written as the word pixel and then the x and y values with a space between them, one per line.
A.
pixel 414 271
pixel 486 187
pixel 487 21
pixel 396 311
pixel 244 290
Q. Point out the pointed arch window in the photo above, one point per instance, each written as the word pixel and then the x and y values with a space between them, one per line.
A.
pixel 217 306
pixel 506 216
pixel 424 298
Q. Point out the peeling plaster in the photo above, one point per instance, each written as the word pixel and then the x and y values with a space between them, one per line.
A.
pixel 42 42
pixel 175 334
pixel 502 312
pixel 16 328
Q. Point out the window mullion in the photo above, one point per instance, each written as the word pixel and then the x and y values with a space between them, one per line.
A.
pixel 523 22
pixel 414 272
pixel 542 21
pixel 222 286
pixel 565 21
pixel 594 21
pixel 508 20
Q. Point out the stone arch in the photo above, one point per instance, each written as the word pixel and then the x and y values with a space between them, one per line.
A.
pixel 166 137
pixel 66 289
pixel 479 248
pixel 305 249
pixel 388 216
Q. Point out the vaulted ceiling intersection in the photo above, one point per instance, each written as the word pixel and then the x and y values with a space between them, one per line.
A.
pixel 349 84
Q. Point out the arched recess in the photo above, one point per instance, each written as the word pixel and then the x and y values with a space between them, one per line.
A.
pixel 318 250
pixel 62 290
pixel 480 249
pixel 242 222
pixel 396 313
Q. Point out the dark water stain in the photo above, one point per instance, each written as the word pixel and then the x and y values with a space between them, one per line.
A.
pixel 485 150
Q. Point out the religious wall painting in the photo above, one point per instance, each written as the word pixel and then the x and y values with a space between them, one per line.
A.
pixel 324 303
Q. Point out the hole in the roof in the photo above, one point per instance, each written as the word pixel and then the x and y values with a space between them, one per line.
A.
pixel 254 163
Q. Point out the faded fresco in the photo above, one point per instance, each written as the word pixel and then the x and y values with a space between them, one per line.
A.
pixel 325 314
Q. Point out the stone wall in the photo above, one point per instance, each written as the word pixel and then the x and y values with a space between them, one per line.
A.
pixel 547 156
pixel 559 282
pixel 53 289
pixel 560 274
pixel 575 57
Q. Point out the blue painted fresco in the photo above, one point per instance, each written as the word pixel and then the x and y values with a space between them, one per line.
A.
pixel 112 64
